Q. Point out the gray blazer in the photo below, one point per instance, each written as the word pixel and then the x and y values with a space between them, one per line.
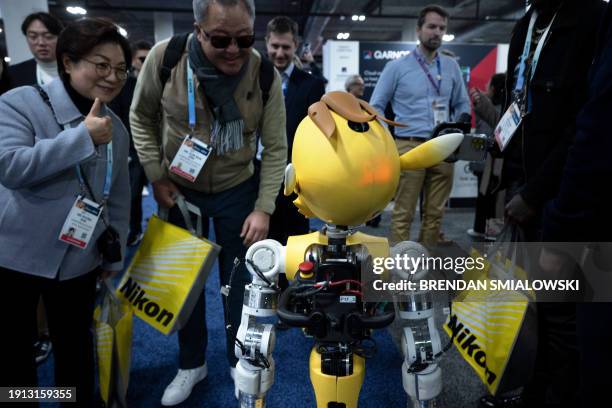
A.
pixel 39 183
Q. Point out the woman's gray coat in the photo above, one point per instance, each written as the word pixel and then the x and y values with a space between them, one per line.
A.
pixel 39 183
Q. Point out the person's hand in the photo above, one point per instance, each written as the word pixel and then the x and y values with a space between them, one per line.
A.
pixel 476 96
pixel 100 129
pixel 307 57
pixel 164 192
pixel 518 210
pixel 255 227
pixel 551 262
pixel 104 274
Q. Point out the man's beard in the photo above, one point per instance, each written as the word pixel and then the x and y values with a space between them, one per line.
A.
pixel 429 46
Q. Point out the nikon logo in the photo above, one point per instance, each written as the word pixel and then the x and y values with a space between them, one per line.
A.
pixel 136 296
pixel 467 341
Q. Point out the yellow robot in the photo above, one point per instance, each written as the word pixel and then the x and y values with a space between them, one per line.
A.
pixel 345 169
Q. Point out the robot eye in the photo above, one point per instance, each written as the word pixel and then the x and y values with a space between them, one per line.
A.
pixel 359 127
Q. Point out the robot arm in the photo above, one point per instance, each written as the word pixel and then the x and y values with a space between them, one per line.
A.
pixel 254 374
pixel 421 345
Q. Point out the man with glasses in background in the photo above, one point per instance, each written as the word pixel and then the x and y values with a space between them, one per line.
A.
pixel 121 106
pixel 228 107
pixel 41 31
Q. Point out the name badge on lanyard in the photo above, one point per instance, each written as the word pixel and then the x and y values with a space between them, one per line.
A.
pixel 192 155
pixel 81 222
pixel 85 213
pixel 190 158
pixel 511 120
pixel 440 111
pixel 506 128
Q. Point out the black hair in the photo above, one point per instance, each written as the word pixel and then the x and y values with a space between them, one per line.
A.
pixel 141 45
pixel 52 24
pixel 80 37
pixel 432 8
pixel 282 25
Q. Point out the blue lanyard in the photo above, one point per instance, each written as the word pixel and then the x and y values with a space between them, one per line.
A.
pixel 438 86
pixel 520 80
pixel 109 173
pixel 191 98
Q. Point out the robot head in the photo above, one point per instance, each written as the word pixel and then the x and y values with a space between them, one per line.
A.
pixel 345 165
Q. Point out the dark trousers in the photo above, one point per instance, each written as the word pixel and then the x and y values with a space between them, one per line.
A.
pixel 285 222
pixel 594 321
pixel 138 180
pixel 70 305
pixel 228 209
pixel 485 208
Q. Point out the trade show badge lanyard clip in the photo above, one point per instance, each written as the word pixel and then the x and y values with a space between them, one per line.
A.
pixel 85 213
pixel 193 153
pixel 440 108
pixel 520 92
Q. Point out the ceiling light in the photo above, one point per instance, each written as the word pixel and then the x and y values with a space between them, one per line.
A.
pixel 1 30
pixel 343 36
pixel 76 10
pixel 362 18
pixel 7 59
pixel 122 32
pixel 448 37
pixel 355 17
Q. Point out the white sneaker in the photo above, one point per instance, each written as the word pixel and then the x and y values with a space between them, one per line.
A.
pixel 475 234
pixel 233 375
pixel 180 388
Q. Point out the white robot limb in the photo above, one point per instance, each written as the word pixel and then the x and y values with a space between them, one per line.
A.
pixel 421 346
pixel 254 374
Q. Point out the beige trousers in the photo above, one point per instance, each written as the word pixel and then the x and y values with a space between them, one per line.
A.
pixel 436 183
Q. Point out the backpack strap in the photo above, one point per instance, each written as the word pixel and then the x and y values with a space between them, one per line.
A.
pixel 172 56
pixel 266 77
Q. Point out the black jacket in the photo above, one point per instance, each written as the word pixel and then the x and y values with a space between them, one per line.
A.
pixel 536 154
pixel 581 212
pixel 303 90
pixel 23 73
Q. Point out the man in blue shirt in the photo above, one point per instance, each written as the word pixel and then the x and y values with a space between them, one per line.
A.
pixel 424 88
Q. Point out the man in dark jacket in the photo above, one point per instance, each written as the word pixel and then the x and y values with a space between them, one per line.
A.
pixel 554 91
pixel 301 90
pixel 41 31
pixel 581 213
pixel 551 50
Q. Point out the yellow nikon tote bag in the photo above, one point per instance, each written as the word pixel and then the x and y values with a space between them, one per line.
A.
pixel 496 331
pixel 113 334
pixel 168 271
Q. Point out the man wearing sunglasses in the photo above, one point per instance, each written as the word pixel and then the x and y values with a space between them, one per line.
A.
pixel 218 75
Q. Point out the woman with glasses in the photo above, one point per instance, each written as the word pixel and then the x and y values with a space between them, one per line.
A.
pixel 64 203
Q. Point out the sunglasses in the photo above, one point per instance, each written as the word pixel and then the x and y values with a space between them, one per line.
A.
pixel 224 41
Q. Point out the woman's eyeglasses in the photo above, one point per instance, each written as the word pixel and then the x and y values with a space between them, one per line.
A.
pixel 104 69
pixel 224 41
